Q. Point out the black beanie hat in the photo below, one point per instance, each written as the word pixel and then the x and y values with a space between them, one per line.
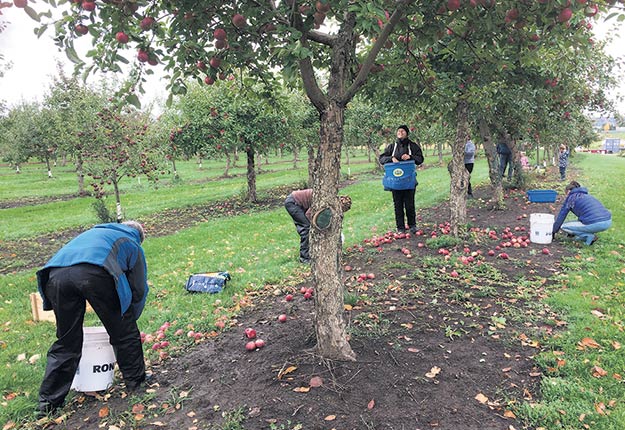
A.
pixel 405 128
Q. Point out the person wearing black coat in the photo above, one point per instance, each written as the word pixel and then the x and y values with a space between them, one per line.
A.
pixel 403 149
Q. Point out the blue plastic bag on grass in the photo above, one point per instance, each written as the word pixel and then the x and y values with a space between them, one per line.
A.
pixel 207 282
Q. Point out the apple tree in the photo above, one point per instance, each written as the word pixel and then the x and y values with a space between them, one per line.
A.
pixel 72 107
pixel 118 149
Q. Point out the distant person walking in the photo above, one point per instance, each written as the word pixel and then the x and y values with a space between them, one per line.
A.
pixel 505 157
pixel 469 161
pixel 105 266
pixel 403 149
pixel 592 216
pixel 563 161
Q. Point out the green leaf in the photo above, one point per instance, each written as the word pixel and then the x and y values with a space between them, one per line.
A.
pixel 133 100
pixel 122 59
pixel 32 13
pixel 40 30
pixel 72 55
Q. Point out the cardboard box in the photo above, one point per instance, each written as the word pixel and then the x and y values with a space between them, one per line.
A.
pixel 36 305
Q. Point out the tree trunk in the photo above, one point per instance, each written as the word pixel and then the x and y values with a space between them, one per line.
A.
pixel 493 166
pixel 329 302
pixel 295 155
pixel 516 162
pixel 439 147
pixel 173 167
pixel 80 174
pixel 118 202
pixel 251 176
pixel 459 174
pixel 228 161
pixel 311 164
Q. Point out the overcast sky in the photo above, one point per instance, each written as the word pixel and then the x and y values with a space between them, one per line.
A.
pixel 34 60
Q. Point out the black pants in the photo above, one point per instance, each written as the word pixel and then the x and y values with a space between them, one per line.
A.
pixel 302 224
pixel 469 167
pixel 67 289
pixel 404 200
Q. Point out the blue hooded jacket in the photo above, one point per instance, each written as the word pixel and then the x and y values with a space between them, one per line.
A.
pixel 588 209
pixel 116 248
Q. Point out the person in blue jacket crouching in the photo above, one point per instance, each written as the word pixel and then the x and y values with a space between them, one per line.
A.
pixel 592 216
pixel 105 266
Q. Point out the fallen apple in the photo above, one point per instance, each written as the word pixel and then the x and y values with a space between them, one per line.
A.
pixel 288 297
pixel 282 318
pixel 250 346
pixel 250 333
pixel 259 343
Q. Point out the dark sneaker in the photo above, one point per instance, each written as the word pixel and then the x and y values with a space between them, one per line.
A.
pixel 46 410
pixel 141 384
pixel 413 229
pixel 401 230
pixel 304 260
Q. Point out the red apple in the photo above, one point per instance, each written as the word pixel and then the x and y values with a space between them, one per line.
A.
pixel 371 276
pixel 565 14
pixel 348 268
pixel 322 7
pixel 238 21
pixel 143 56
pixel 453 4
pixel 288 297
pixel 146 23
pixel 282 318
pixel 219 34
pixel 20 3
pixel 546 251
pixel 81 29
pixel 259 343
pixel 121 37
pixel 250 346
pixel 250 333
pixel 215 62
pixel 88 5
pixel 303 290
pixel 209 80
pixel 221 44
pixel 307 295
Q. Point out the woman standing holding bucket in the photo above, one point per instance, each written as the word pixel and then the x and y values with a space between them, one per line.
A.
pixel 106 266
pixel 403 149
pixel 592 216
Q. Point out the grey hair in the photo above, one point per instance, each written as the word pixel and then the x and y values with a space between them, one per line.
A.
pixel 137 226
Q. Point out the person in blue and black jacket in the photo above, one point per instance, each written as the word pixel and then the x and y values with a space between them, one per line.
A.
pixel 403 149
pixel 592 216
pixel 105 266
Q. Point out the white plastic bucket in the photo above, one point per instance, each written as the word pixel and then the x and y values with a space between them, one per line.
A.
pixel 97 365
pixel 541 226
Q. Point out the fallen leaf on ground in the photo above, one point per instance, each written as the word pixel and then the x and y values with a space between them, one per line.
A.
pixel 286 371
pixel 598 372
pixel 600 408
pixel 588 342
pixel 301 389
pixel 103 412
pixel 616 345
pixel 138 408
pixel 433 372
pixel 509 414
pixel 330 418
pixel 481 398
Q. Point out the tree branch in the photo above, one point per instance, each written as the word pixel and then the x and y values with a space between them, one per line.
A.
pixel 377 46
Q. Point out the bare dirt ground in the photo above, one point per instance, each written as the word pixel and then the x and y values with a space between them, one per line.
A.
pixel 444 336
